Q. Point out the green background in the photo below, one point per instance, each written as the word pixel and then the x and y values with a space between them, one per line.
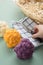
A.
pixel 9 11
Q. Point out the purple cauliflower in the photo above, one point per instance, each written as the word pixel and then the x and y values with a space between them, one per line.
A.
pixel 24 49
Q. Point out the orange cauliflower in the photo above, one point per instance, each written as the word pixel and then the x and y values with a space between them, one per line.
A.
pixel 12 37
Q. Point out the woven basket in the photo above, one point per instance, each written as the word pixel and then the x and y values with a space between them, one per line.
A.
pixel 32 9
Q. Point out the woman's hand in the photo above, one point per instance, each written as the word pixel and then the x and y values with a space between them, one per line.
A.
pixel 38 29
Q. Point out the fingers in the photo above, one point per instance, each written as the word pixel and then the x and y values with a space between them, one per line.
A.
pixel 35 35
pixel 36 32
pixel 36 27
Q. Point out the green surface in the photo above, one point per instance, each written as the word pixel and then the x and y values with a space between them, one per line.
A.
pixel 8 12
